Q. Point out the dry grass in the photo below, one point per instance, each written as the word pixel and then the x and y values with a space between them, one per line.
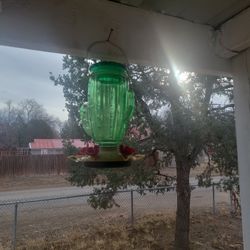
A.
pixel 151 232
pixel 33 182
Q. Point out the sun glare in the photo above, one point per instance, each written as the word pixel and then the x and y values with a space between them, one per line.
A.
pixel 183 77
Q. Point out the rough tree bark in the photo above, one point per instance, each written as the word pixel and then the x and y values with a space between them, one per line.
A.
pixel 183 204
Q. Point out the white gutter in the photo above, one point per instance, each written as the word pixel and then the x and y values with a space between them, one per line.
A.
pixel 233 36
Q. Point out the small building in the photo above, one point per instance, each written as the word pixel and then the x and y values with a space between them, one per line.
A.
pixel 52 146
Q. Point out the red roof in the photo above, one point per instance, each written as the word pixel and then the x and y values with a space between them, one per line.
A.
pixel 56 143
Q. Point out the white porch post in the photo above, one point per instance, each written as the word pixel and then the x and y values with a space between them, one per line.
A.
pixel 241 70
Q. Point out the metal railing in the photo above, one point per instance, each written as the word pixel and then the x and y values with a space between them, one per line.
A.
pixel 23 220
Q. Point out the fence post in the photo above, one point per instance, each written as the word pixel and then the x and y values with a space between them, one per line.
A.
pixel 213 198
pixel 132 206
pixel 231 201
pixel 14 227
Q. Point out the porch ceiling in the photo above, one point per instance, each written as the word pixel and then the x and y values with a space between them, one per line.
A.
pixel 208 12
pixel 152 32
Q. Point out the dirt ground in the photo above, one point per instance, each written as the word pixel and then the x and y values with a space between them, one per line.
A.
pixel 150 232
pixel 50 181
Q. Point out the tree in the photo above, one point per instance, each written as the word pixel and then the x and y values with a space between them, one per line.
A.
pixel 181 118
pixel 222 155
pixel 22 123
pixel 29 109
pixel 71 130
pixel 37 129
pixel 8 132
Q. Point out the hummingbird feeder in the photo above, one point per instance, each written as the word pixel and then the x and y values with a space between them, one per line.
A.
pixel 106 115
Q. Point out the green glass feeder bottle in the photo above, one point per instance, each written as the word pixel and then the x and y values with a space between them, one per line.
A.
pixel 109 109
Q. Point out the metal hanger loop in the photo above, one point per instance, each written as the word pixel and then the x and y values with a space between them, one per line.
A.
pixel 107 41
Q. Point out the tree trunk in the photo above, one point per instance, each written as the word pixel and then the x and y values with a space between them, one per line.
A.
pixel 183 205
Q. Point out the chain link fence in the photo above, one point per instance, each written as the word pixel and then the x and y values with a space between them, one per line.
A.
pixel 25 221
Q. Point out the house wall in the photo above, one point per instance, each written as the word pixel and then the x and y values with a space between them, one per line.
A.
pixel 53 151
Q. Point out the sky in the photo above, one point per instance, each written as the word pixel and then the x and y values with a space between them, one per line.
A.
pixel 25 74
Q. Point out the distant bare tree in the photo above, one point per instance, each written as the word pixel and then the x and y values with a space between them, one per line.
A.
pixel 20 124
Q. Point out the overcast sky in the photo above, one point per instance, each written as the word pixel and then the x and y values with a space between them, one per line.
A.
pixel 25 74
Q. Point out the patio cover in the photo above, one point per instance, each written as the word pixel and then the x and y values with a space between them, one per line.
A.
pixel 193 35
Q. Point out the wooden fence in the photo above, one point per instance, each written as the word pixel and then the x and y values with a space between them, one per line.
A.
pixel 15 151
pixel 27 165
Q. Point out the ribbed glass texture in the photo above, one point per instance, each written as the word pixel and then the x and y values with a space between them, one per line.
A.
pixel 110 104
